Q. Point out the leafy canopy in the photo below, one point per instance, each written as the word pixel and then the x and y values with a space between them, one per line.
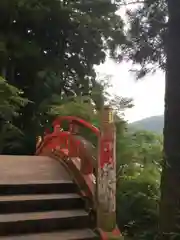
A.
pixel 11 101
pixel 146 34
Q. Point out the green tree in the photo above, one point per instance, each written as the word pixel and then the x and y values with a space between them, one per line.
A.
pixel 170 177
pixel 147 31
pixel 11 102
pixel 50 47
pixel 154 42
pixel 139 168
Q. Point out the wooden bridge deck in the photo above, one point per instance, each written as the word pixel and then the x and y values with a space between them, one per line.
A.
pixel 29 169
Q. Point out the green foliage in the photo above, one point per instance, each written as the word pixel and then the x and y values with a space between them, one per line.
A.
pixel 138 150
pixel 154 43
pixel 146 35
pixel 139 156
pixel 49 49
pixel 11 101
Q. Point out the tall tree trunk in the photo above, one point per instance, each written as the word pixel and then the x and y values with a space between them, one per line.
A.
pixel 170 182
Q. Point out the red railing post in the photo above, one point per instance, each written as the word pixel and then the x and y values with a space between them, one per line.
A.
pixel 106 173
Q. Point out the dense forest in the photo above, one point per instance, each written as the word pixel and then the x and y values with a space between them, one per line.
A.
pixel 48 50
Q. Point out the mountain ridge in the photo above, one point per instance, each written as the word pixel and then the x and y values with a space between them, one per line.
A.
pixel 153 124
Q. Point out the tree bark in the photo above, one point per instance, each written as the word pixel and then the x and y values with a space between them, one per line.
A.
pixel 170 181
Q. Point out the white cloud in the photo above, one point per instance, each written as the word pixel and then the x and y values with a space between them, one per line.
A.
pixel 148 94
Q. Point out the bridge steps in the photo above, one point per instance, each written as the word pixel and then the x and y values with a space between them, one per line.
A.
pixel 84 234
pixel 39 207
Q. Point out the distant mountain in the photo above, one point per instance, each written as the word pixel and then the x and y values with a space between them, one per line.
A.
pixel 154 124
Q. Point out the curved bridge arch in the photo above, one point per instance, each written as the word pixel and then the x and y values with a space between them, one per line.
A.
pixel 78 121
pixel 75 152
pixel 86 164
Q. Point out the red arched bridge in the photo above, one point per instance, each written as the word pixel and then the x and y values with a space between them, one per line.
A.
pixel 68 190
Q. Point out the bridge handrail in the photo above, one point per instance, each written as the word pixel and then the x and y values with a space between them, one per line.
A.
pixel 71 150
pixel 77 120
pixel 65 144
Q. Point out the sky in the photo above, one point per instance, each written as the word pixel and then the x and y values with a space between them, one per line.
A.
pixel 147 94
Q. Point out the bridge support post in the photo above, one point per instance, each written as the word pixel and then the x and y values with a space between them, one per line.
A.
pixel 106 175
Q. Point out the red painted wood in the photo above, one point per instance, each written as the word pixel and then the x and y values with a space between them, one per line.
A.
pixel 107 235
pixel 76 120
pixel 59 140
pixel 106 151
pixel 74 153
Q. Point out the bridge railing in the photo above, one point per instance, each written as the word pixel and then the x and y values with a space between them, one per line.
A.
pixel 93 168
pixel 78 154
